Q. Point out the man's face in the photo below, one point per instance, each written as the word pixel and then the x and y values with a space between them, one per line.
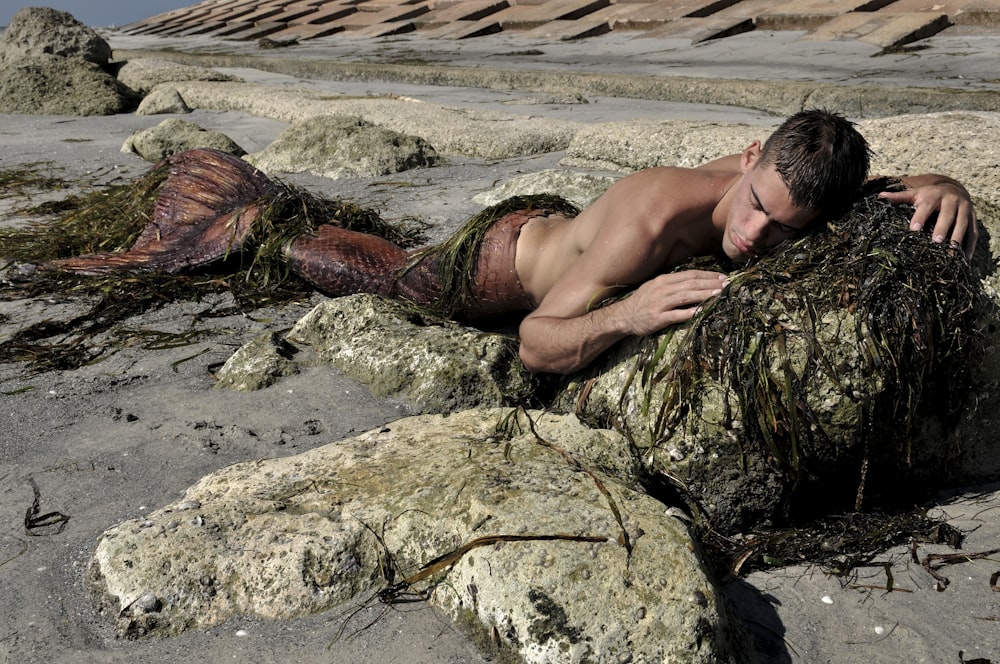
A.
pixel 762 214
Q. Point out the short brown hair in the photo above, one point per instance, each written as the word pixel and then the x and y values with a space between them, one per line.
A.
pixel 821 157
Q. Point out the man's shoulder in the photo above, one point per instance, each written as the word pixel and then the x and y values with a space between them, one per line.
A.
pixel 665 192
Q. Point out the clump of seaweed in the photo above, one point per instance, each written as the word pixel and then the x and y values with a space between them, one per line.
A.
pixel 18 182
pixel 110 219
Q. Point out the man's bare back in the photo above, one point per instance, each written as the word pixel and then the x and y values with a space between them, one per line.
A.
pixel 646 206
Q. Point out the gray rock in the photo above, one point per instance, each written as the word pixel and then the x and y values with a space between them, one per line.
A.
pixel 634 145
pixel 434 365
pixel 257 364
pixel 50 85
pixel 174 135
pixel 452 131
pixel 35 31
pixel 161 101
pixel 581 189
pixel 958 143
pixel 557 561
pixel 343 147
pixel 144 74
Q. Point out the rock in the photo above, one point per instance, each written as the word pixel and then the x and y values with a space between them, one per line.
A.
pixel 35 31
pixel 556 560
pixel 435 365
pixel 161 101
pixel 172 136
pixel 957 143
pixel 633 145
pixel 50 85
pixel 581 189
pixel 144 74
pixel 452 131
pixel 258 364
pixel 342 146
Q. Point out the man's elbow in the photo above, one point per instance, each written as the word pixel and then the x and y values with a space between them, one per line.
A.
pixel 530 360
pixel 535 363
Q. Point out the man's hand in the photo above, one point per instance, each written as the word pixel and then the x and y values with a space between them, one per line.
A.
pixel 669 299
pixel 956 218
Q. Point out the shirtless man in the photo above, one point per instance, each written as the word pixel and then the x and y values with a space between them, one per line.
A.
pixel 552 266
pixel 653 220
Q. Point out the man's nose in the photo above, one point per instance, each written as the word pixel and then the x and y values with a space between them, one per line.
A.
pixel 756 228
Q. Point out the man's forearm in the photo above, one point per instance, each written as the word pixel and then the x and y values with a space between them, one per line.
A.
pixel 565 345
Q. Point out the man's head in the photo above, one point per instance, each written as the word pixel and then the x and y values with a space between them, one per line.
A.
pixel 810 167
pixel 821 158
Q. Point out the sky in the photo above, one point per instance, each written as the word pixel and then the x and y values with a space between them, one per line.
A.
pixel 98 13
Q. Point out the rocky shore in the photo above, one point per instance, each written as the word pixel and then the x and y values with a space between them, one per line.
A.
pixel 234 522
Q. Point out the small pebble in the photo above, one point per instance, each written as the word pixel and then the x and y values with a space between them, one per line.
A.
pixel 148 603
pixel 879 630
pixel 241 632
pixel 827 599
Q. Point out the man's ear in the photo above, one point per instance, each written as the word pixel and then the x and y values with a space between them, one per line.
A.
pixel 750 156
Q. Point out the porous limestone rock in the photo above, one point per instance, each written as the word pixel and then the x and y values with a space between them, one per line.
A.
pixel 435 365
pixel 51 64
pixel 174 135
pixel 581 189
pixel 489 514
pixel 145 74
pixel 35 31
pixel 343 147
pixel 451 130
pixel 51 85
pixel 257 364
pixel 161 101
pixel 958 143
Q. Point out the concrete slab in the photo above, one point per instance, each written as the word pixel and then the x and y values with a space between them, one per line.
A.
pixel 810 14
pixel 567 30
pixel 264 12
pixel 303 31
pixel 882 29
pixel 387 5
pixel 360 20
pixel 297 13
pixel 747 8
pixel 385 29
pixel 653 15
pixel 949 7
pixel 258 30
pixel 208 27
pixel 463 29
pixel 470 10
pixel 616 15
pixel 330 12
pixel 701 29
pixel 526 17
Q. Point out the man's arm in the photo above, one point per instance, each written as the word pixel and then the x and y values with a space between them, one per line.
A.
pixel 640 228
pixel 932 193
pixel 565 343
